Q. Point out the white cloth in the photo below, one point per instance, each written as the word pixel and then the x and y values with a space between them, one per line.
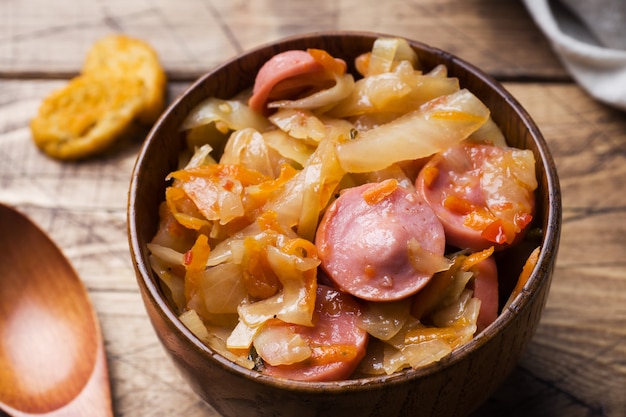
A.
pixel 589 36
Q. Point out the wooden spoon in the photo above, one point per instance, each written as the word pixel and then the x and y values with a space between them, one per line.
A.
pixel 52 359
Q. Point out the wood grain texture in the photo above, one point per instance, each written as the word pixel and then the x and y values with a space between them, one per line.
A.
pixel 194 36
pixel 576 364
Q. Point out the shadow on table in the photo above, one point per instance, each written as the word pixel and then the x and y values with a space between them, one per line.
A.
pixel 524 394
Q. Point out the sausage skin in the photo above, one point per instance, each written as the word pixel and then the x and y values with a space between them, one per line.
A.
pixel 364 245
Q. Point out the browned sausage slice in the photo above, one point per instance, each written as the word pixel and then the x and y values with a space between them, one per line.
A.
pixel 377 241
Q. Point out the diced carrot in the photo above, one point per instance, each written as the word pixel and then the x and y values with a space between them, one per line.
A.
pixel 300 247
pixel 446 334
pixel 323 354
pixel 265 188
pixel 362 63
pixel 198 254
pixel 183 209
pixel 239 172
pixel 524 276
pixel 500 232
pixel 476 257
pixel 495 232
pixel 258 277
pixel 458 205
pixel 457 116
pixel 268 220
pixel 369 270
pixel 195 263
pixel 430 174
pixel 523 219
pixel 380 191
pixel 336 66
pixel 479 219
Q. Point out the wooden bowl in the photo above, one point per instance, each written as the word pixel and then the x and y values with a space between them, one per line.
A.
pixel 454 386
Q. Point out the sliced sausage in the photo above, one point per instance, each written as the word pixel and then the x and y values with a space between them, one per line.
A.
pixel 486 290
pixel 278 77
pixel 483 194
pixel 367 238
pixel 338 344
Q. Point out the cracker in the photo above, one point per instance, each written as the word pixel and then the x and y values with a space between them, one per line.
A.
pixel 119 56
pixel 86 116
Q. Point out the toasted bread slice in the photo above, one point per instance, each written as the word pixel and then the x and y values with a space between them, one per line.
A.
pixel 86 116
pixel 122 56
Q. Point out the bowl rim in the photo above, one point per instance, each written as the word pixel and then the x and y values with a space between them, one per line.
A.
pixel 545 263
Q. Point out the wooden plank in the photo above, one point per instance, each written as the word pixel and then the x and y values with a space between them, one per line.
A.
pixel 144 381
pixel 194 36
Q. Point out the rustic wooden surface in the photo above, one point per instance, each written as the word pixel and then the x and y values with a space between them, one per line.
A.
pixel 576 364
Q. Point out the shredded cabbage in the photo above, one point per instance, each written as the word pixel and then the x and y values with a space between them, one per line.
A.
pixel 388 51
pixel 394 93
pixel 296 302
pixel 232 114
pixel 279 345
pixel 437 125
pixel 234 248
pixel 384 320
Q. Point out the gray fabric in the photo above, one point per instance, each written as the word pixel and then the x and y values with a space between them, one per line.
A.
pixel 589 36
pixel 605 19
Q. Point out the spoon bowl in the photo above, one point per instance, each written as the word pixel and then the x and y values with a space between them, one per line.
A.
pixel 52 359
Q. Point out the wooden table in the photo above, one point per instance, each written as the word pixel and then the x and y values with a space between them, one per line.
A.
pixel 576 364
